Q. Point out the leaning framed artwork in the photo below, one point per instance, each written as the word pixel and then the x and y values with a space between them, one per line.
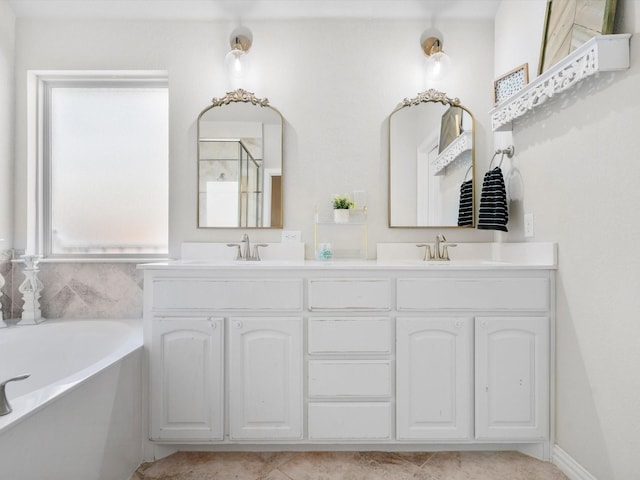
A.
pixel 569 24
pixel 450 127
pixel 510 83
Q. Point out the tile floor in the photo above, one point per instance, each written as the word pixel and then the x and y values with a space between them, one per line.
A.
pixel 348 466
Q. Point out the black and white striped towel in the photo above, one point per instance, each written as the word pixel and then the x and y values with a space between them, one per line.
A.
pixel 465 210
pixel 494 213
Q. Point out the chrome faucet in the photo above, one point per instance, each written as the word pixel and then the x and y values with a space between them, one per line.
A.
pixel 246 250
pixel 440 251
pixel 5 408
pixel 243 249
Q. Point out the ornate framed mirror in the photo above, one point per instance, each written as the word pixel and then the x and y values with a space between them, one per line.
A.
pixel 240 145
pixel 431 162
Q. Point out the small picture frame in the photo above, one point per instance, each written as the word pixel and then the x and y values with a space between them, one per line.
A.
pixel 510 83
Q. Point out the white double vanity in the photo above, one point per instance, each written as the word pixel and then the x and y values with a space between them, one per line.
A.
pixel 393 354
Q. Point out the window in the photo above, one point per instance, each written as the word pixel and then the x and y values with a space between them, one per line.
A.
pixel 105 168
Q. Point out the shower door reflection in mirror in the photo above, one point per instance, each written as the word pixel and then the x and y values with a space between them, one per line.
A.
pixel 431 163
pixel 240 163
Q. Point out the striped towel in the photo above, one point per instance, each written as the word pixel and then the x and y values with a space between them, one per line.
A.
pixel 465 210
pixel 494 214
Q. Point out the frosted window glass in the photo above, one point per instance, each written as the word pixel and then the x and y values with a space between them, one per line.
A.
pixel 109 170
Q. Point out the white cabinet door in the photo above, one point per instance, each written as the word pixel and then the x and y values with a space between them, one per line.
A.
pixel 186 379
pixel 265 378
pixel 434 378
pixel 512 378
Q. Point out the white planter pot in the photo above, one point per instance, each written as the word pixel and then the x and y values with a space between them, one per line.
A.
pixel 341 215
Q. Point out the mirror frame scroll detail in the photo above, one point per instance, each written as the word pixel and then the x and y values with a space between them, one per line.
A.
pixel 240 96
pixel 430 95
pixel 434 96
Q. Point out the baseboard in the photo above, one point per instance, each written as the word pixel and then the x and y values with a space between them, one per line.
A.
pixel 569 466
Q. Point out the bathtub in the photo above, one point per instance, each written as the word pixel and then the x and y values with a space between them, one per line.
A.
pixel 78 416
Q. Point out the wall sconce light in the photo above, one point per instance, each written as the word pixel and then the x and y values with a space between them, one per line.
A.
pixel 438 63
pixel 236 61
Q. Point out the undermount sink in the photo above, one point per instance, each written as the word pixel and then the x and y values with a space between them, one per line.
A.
pixel 237 263
pixel 204 253
pixel 442 263
pixel 471 254
pixel 464 262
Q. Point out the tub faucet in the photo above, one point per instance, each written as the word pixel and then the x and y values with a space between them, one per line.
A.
pixel 243 249
pixel 5 408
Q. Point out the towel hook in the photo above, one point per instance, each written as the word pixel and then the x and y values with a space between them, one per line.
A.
pixel 509 151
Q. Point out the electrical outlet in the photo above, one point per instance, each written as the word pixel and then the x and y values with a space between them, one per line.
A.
pixel 291 236
pixel 528 225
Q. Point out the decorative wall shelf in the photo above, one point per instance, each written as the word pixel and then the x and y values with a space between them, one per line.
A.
pixel 600 54
pixel 343 240
pixel 461 144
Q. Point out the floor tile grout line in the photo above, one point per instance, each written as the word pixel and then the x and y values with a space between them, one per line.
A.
pixel 278 469
pixel 431 457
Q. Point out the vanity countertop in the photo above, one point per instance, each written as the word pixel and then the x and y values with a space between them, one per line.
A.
pixel 345 265
pixel 396 256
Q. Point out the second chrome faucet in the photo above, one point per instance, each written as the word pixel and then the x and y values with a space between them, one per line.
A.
pixel 440 250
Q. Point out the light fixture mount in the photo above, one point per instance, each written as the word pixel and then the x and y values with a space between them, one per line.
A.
pixel 431 45
pixel 241 39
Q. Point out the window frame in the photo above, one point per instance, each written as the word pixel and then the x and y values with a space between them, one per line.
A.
pixel 43 192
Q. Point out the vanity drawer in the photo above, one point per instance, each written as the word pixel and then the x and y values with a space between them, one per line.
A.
pixel 350 294
pixel 349 335
pixel 473 294
pixel 218 294
pixel 345 378
pixel 350 421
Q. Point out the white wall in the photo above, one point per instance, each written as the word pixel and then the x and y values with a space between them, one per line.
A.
pixel 518 42
pixel 334 81
pixel 578 155
pixel 7 33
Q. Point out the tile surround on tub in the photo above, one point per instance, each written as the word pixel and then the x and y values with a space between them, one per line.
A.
pixel 75 290
pixel 91 290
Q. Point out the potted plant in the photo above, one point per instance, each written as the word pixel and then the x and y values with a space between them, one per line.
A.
pixel 341 206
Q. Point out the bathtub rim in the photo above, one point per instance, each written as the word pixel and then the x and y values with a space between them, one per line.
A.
pixel 30 403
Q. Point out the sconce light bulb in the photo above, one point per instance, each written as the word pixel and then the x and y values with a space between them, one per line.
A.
pixel 237 62
pixel 234 62
pixel 437 66
pixel 237 65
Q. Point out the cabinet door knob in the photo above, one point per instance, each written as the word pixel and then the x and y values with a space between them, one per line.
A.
pixel 238 325
pixel 213 323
